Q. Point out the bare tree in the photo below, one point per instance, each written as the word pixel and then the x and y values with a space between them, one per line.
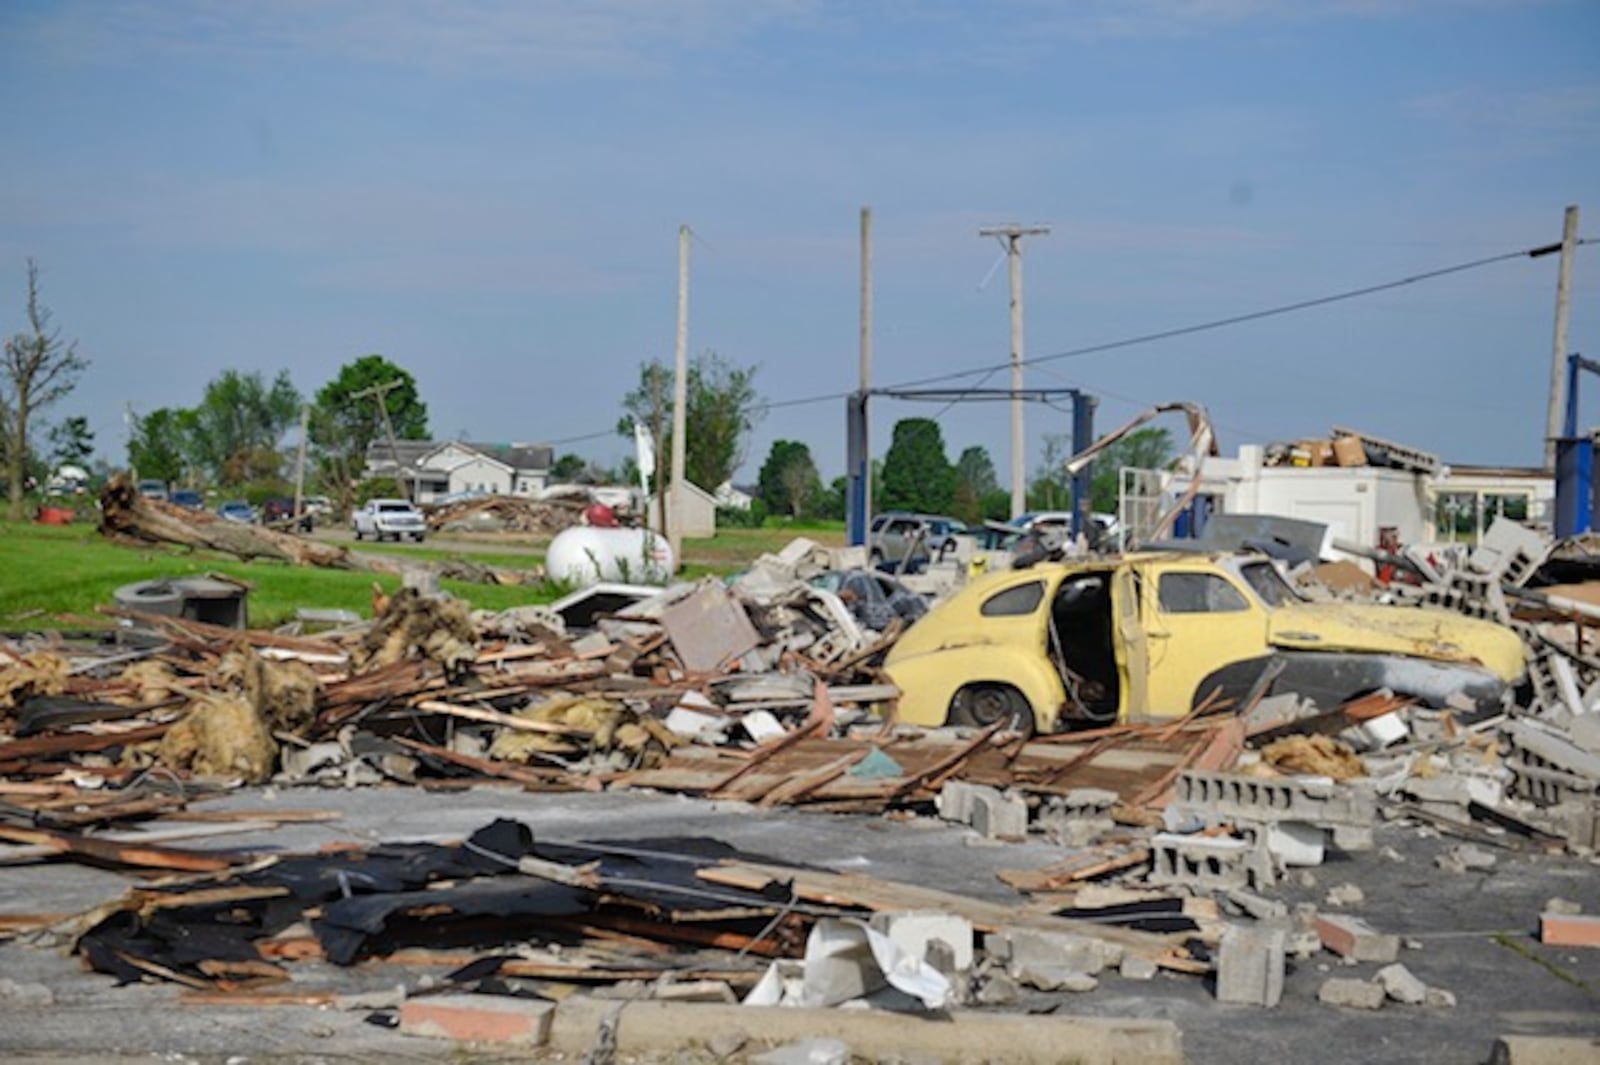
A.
pixel 39 369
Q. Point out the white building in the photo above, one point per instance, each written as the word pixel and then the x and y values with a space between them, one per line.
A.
pixel 1364 505
pixel 453 468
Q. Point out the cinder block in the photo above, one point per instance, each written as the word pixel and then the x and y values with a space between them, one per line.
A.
pixel 479 1018
pixel 1569 930
pixel 1250 966
pixel 1296 843
pixel 1548 769
pixel 956 800
pixel 1351 937
pixel 1000 816
pixel 1079 954
pixel 1232 796
pixel 1207 861
pixel 1351 993
pixel 913 931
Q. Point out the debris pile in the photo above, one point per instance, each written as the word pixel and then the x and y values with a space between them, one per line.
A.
pixel 515 514
pixel 768 690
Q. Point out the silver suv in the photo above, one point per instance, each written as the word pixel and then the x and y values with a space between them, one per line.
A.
pixel 905 543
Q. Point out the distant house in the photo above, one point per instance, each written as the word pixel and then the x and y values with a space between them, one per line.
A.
pixel 440 470
pixel 735 496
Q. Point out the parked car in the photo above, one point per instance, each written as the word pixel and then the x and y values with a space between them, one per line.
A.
pixel 901 542
pixel 238 510
pixel 319 507
pixel 187 497
pixel 1153 635
pixel 382 518
pixel 279 511
pixel 153 489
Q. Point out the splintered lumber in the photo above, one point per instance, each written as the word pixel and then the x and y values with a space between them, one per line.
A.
pixel 143 855
pixel 125 514
pixel 1084 865
pixel 870 893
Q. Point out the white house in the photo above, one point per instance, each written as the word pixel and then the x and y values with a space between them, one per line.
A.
pixel 455 467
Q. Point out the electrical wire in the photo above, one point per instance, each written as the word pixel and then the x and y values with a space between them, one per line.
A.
pixel 985 372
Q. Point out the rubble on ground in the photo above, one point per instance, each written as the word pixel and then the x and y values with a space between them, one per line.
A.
pixel 767 690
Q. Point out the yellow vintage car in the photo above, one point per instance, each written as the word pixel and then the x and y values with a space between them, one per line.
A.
pixel 1148 636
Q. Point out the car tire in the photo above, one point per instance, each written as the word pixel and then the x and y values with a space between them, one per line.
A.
pixel 981 705
pixel 875 559
pixel 359 534
pixel 418 537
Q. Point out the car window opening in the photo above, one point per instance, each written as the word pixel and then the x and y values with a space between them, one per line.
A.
pixel 1265 580
pixel 1083 648
pixel 1199 593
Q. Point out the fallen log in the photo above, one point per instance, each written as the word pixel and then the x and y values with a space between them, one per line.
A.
pixel 125 514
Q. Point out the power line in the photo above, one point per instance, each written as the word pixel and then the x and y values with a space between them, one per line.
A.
pixel 987 371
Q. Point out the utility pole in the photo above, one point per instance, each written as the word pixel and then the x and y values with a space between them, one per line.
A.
pixel 381 393
pixel 680 397
pixel 1011 237
pixel 865 508
pixel 1558 357
pixel 300 463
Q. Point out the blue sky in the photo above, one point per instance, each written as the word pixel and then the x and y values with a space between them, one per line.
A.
pixel 488 193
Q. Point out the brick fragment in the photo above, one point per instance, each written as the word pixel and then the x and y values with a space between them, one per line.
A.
pixel 479 1018
pixel 1569 930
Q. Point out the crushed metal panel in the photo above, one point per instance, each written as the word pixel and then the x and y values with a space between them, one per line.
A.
pixel 709 629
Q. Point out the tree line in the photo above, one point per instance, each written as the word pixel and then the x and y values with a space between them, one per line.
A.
pixel 233 438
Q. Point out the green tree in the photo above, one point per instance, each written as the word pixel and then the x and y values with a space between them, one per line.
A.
pixel 975 478
pixel 72 441
pixel 916 474
pixel 789 482
pixel 1051 487
pixel 722 408
pixel 1144 449
pixel 158 446
pixel 343 423
pixel 567 468
pixel 39 369
pixel 239 422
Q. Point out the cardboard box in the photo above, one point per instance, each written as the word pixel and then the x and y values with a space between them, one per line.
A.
pixel 1349 451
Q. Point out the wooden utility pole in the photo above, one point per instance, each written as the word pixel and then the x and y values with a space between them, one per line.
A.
pixel 381 393
pixel 866 365
pixel 1558 355
pixel 300 463
pixel 1011 237
pixel 680 398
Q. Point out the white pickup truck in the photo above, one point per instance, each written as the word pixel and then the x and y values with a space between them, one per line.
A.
pixel 381 518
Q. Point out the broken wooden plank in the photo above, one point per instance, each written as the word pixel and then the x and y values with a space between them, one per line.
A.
pixel 142 855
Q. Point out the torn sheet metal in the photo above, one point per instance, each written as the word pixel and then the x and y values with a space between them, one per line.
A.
pixel 846 960
pixel 709 628
pixel 1202 444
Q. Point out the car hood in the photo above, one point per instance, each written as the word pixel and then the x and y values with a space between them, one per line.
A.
pixel 1423 633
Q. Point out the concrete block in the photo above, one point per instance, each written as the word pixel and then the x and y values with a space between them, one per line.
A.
pixel 957 798
pixel 1569 930
pixel 1401 985
pixel 1081 954
pixel 1047 977
pixel 1547 768
pixel 915 930
pixel 657 1030
pixel 1353 838
pixel 1000 816
pixel 1351 937
pixel 1250 966
pixel 1207 861
pixel 1545 1050
pixel 1136 968
pixel 1315 801
pixel 1295 843
pixel 479 1018
pixel 1351 994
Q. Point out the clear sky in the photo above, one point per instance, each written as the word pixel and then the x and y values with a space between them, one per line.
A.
pixel 488 193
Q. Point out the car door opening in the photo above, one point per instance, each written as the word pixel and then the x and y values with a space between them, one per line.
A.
pixel 1082 644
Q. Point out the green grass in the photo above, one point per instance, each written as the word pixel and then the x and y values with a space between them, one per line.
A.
pixel 48 571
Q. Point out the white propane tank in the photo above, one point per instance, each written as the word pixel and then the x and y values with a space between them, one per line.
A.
pixel 587 554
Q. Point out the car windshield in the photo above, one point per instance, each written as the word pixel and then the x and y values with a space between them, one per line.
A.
pixel 1268 583
pixel 402 508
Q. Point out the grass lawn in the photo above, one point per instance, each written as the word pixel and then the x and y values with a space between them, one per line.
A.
pixel 52 570
pixel 47 571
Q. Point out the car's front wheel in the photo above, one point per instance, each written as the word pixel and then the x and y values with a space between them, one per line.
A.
pixel 359 534
pixel 981 705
